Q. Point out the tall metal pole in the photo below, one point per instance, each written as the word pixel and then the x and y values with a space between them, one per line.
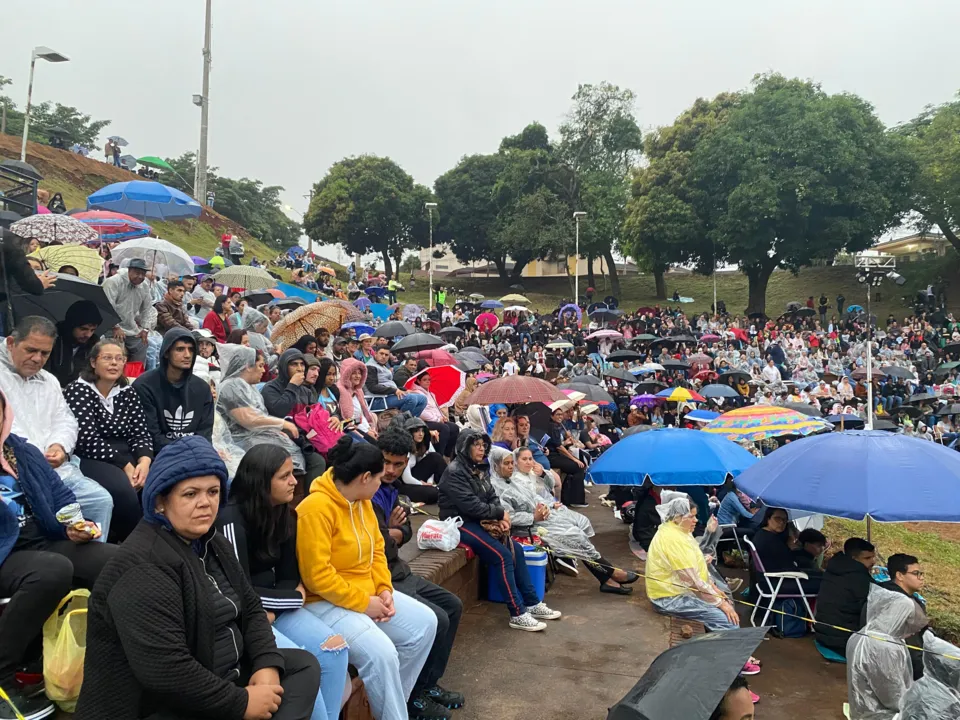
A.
pixel 715 311
pixel 201 189
pixel 309 239
pixel 869 362
pixel 26 113
pixel 430 284
pixel 576 265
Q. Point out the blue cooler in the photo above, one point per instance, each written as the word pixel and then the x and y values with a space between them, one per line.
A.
pixel 536 566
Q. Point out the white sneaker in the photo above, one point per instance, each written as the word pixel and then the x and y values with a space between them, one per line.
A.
pixel 527 622
pixel 568 566
pixel 541 612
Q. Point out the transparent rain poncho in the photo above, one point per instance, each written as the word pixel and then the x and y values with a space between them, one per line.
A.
pixel 256 323
pixel 243 409
pixel 878 668
pixel 566 532
pixel 937 694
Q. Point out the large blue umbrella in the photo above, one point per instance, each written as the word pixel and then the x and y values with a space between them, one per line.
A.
pixel 491 304
pixel 143 199
pixel 860 473
pixel 671 457
pixel 359 328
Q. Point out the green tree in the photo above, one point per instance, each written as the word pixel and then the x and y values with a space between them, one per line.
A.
pixel 80 127
pixel 369 204
pixel 794 175
pixel 410 263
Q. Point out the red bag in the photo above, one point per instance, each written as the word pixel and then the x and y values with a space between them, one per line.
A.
pixel 313 422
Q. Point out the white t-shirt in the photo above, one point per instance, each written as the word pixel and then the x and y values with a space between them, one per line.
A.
pixel 362 424
pixel 510 368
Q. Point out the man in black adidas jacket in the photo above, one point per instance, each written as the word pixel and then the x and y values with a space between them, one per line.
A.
pixel 432 700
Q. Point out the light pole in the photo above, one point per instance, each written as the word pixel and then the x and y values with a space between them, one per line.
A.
pixel 576 261
pixel 41 52
pixel 200 191
pixel 430 207
pixel 714 273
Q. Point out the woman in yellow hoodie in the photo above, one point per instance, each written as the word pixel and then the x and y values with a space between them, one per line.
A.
pixel 345 573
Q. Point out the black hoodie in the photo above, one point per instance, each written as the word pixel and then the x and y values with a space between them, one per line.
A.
pixel 175 411
pixel 280 397
pixel 842 597
pixel 69 357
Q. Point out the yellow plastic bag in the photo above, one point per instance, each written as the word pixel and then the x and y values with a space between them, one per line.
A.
pixel 64 647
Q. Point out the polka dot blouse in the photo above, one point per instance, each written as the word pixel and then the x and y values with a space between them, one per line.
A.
pixel 106 423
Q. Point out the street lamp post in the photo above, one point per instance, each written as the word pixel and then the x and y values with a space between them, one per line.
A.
pixel 41 52
pixel 430 206
pixel 871 271
pixel 576 261
pixel 200 189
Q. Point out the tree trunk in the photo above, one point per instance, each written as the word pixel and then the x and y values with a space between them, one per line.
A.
pixel 398 261
pixel 591 277
pixel 387 265
pixel 515 274
pixel 950 235
pixel 612 272
pixel 661 284
pixel 758 277
pixel 501 264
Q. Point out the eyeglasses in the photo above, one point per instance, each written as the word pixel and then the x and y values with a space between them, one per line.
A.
pixel 917 573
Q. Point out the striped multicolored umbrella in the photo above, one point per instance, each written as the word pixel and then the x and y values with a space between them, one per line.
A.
pixel 113 225
pixel 679 394
pixel 759 422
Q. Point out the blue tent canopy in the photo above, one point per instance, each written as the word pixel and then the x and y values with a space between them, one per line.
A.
pixel 297 291
pixel 381 311
pixel 295 251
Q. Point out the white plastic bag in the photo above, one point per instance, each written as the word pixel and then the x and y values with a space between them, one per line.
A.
pixel 439 534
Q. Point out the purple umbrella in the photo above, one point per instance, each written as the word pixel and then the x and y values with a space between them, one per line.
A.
pixel 645 400
pixel 199 261
pixel 362 302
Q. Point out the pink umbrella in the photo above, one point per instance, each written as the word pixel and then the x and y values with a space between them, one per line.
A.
pixel 487 322
pixel 436 358
pixel 43 210
pixel 599 334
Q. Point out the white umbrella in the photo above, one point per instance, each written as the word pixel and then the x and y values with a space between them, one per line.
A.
pixel 117 140
pixel 516 308
pixel 154 251
pixel 651 367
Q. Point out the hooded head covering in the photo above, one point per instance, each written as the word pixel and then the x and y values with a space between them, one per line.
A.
pixel 188 457
pixel 170 337
pixel 238 358
pixel 936 695
pixel 674 509
pixel 348 391
pixel 466 439
pixel 252 318
pixel 287 357
pixel 82 312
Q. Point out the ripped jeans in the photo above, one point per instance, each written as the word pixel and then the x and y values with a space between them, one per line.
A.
pixel 302 629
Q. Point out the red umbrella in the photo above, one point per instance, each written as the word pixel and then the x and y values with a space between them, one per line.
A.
pixel 706 376
pixel 113 225
pixel 645 310
pixel 276 292
pixel 436 358
pixel 431 325
pixel 487 322
pixel 446 382
pixel 700 359
pixel 516 389
pixel 740 334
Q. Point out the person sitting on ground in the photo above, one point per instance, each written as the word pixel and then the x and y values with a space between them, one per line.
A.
pixel 353 403
pixel 289 393
pixel 936 695
pixel 396 446
pixel 906 576
pixel 170 310
pixel 567 533
pixel 76 336
pixel 425 465
pixel 132 299
pixel 40 557
pixel 467 492
pixel 737 703
pixel 678 583
pixel 811 544
pixel 174 628
pixel 437 418
pixel 843 593
pixel 773 547
pixel 344 571
pixel 246 416
pixel 260 524
pixel 380 387
pixel 43 417
pixel 217 320
pixel 113 442
pixel 175 402
pixel 879 670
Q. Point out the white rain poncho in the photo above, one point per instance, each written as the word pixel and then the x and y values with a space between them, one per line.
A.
pixel 243 409
pixel 936 695
pixel 879 670
pixel 566 532
pixel 256 323
pixel 133 303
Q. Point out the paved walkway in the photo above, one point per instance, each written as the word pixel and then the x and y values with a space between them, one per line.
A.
pixel 583 664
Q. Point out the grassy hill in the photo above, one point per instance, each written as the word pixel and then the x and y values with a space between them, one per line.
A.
pixel 76 177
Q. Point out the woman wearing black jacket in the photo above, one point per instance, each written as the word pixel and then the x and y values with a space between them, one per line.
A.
pixel 174 629
pixel 572 492
pixel 466 492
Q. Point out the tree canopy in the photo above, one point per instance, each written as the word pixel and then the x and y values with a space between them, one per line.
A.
pixel 80 127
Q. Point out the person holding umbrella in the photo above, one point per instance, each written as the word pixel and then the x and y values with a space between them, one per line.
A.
pixel 436 418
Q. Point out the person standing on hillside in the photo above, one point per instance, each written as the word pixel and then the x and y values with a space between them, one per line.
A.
pixel 108 152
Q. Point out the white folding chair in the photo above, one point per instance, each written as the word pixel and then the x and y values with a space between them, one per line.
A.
pixel 766 590
pixel 735 539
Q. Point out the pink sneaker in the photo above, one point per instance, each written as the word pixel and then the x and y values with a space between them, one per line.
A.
pixel 754 698
pixel 750 669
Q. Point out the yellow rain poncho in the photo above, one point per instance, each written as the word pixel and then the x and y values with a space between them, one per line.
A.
pixel 675 563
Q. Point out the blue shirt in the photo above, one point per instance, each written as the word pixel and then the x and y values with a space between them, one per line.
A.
pixel 731 510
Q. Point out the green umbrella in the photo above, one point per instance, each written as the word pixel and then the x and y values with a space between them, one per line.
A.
pixel 155 162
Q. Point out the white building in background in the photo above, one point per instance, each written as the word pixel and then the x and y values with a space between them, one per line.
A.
pixel 448 264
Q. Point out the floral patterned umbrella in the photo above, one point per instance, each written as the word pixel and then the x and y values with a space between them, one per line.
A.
pixel 759 422
pixel 305 320
pixel 50 228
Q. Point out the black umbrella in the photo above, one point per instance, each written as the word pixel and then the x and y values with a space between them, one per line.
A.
pixel 467 363
pixel 885 425
pixel 805 312
pixel 55 301
pixel 900 372
pixel 675 365
pixel 289 303
pixel 58 131
pixel 466 325
pixel 735 374
pixel 451 331
pixel 718 391
pixel 417 342
pixel 793 306
pixel 474 354
pixel 585 379
pixel 951 349
pixel 518 286
pixel 592 392
pixel 624 356
pixel 611 301
pixel 757 316
pixel 258 297
pixel 650 386
pixel 804 408
pixel 593 307
pixel 605 315
pixel 953 409
pixel 643 337
pixel 910 410
pixel 687 682
pixel 539 415
pixel 621 375
pixel 397 328
pixel 920 398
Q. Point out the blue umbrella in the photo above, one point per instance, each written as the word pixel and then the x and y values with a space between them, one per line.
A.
pixel 491 304
pixel 854 308
pixel 381 311
pixel 377 292
pixel 671 457
pixel 362 302
pixel 860 473
pixel 718 391
pixel 295 251
pixel 701 415
pixel 143 199
pixel 358 327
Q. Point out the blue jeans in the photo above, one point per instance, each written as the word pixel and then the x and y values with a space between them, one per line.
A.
pixel 302 629
pixel 95 501
pixel 388 656
pixel 688 607
pixel 512 574
pixel 412 403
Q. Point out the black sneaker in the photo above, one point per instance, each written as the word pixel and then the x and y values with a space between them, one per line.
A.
pixel 447 698
pixel 423 708
pixel 30 708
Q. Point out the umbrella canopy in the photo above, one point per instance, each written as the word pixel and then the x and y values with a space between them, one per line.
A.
pixel 679 394
pixel 118 141
pixel 675 365
pixel 306 319
pixel 476 296
pixel 623 356
pixel 327 270
pixel 362 302
pixel 854 309
pixel 411 312
pixel 920 398
pixel 599 334
pixel 735 375
pixel 155 162
pixel 650 367
pixel 861 473
pixel 418 341
pixel 487 322
pixel 514 298
pixel 86 261
pixel 804 408
pixel 491 304
pixel 709 338
pixel 446 382
pixel 559 345
pixel 289 303
pixel 113 225
pixel 55 301
pixel 638 429
pixel 759 422
pixel 644 337
pixel 154 251
pixel 145 200
pixel 246 277
pixel 847 421
pixel 453 331
pixel 377 292
pixel 395 328
pixel 216 261
pixel 701 416
pixel 885 425
pixel 199 261
pixel 665 692
pixel 474 354
pixel 718 391
pixel 592 393
pixel 620 374
pixel 902 372
pixel 861 373
pixel 49 228
pixel 516 389
pixel 261 297
pixel 700 359
pixel 436 358
pixel 359 328
pixel 646 400
pixel 670 456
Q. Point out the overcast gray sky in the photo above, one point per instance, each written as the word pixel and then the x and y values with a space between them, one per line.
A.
pixel 299 84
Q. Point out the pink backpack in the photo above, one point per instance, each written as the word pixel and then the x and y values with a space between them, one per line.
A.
pixel 313 421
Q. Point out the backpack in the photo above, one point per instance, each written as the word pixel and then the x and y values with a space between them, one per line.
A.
pixel 788 625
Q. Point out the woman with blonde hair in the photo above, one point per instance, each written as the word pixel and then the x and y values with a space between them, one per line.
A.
pixel 504 434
